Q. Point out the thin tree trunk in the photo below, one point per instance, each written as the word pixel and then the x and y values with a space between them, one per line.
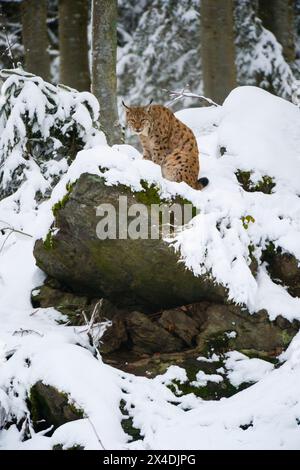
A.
pixel 278 16
pixel 217 48
pixel 73 44
pixel 104 79
pixel 35 37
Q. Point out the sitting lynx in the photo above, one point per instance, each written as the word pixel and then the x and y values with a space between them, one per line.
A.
pixel 167 142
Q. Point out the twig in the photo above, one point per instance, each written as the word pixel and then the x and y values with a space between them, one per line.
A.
pixel 95 311
pixel 185 93
pixel 22 332
pixel 91 423
pixel 93 337
pixel 34 312
pixel 9 47
pixel 5 240
pixel 11 230
pixel 16 231
pixel 95 431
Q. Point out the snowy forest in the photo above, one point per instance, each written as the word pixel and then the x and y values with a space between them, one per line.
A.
pixel 123 328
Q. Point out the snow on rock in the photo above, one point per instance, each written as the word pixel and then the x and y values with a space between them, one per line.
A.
pixel 242 369
pixel 258 129
pixel 275 123
pixel 264 416
pixel 202 379
pixel 217 241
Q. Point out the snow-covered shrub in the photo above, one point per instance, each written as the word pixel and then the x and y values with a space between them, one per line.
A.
pixel 259 58
pixel 42 127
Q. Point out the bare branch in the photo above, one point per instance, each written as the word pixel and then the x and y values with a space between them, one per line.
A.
pixel 93 330
pixel 95 431
pixel 9 45
pixel 11 230
pixel 97 308
pixel 186 93
pixel 22 332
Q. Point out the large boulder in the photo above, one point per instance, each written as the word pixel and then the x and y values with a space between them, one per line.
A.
pixel 142 273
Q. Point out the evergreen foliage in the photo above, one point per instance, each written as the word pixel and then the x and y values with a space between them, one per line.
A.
pixel 42 127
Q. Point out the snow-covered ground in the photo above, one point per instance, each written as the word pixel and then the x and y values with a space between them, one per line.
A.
pixel 261 133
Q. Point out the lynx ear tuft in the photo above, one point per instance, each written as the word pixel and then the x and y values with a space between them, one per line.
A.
pixel 125 106
pixel 148 106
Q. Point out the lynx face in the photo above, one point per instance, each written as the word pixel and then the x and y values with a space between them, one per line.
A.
pixel 138 120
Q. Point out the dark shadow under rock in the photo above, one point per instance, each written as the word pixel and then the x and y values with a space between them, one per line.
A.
pixel 149 337
pixel 174 336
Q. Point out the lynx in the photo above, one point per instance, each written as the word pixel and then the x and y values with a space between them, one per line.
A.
pixel 167 142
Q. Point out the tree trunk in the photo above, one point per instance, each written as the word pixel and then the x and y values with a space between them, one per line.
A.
pixel 35 37
pixel 73 44
pixel 278 16
pixel 217 48
pixel 104 79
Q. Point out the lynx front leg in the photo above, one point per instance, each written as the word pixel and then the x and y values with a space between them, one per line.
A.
pixel 147 154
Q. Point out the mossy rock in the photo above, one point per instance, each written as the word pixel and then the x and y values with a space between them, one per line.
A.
pixel 265 185
pixel 127 424
pixel 210 391
pixel 283 267
pixel 60 204
pixel 50 407
pixel 66 302
pixel 49 240
pixel 142 273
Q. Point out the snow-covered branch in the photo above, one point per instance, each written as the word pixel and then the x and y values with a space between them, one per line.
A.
pixel 186 93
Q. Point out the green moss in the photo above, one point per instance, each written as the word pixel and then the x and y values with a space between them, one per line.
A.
pixel 60 204
pixel 210 391
pixel 286 337
pixel 265 185
pixel 246 220
pixel 149 195
pixel 73 408
pixel 219 343
pixel 251 249
pixel 270 252
pixel 49 241
pixel 48 406
pixel 127 423
pixel 244 178
pixel 270 249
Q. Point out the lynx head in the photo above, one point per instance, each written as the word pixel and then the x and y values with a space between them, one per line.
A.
pixel 138 118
